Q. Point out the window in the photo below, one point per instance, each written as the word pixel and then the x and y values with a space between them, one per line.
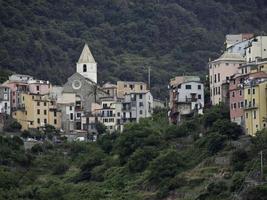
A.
pixel 44 103
pixel 248 91
pixel 234 105
pixel 240 92
pixel 140 96
pixel 38 120
pixel 32 97
pixel 219 77
pixel 45 112
pixel 78 115
pixel 55 121
pixel 188 87
pixel 141 104
pixel 141 87
pixel 141 112
pixel 38 111
pixel 84 68
pixel 233 94
pixel 226 64
pixel 246 102
pixel 55 113
pixel 70 107
pixel 241 104
pixel 219 90
pixel 253 91
pixel 45 121
pixel 246 115
pixel 215 78
pixel 199 96
pixel 255 114
pixel 125 86
pixel 118 114
pixel 71 116
pixel 37 88
pixel 38 103
pixel 199 87
pixel 253 102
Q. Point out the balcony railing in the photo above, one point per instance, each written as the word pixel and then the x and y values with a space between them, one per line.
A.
pixel 250 106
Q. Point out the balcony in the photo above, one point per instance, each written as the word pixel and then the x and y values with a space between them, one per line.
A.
pixel 250 106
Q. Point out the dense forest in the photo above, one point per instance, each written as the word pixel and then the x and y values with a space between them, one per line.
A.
pixel 45 37
pixel 204 158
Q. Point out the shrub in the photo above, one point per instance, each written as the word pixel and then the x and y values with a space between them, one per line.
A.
pixel 239 158
pixel 60 168
pixel 217 187
pixel 166 165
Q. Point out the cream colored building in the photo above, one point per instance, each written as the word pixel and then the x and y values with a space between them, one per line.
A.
pixel 35 111
pixel 127 87
pixel 220 71
pixel 257 49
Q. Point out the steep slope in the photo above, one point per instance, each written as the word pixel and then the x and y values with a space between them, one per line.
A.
pixel 44 37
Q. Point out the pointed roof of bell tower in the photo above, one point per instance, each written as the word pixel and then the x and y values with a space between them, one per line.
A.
pixel 86 55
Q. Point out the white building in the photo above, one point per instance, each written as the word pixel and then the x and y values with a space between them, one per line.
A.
pixel 137 105
pixel 186 97
pixel 86 65
pixel 5 100
pixel 20 78
pixel 256 49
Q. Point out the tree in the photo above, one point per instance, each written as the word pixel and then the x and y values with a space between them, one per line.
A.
pixel 100 127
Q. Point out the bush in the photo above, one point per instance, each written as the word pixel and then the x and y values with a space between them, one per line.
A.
pixel 227 128
pixel 213 142
pixel 166 165
pixel 239 158
pixel 238 179
pixel 12 126
pixel 139 160
pixel 60 168
pixel 217 187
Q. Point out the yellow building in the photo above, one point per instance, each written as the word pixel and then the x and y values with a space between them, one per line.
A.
pixel 126 87
pixel 35 111
pixel 255 95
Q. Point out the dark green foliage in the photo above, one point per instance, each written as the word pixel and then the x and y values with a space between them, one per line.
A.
pixel 227 128
pixel 217 187
pixel 139 160
pixel 256 193
pixel 100 127
pixel 213 142
pixel 106 142
pixel 238 179
pixel 165 166
pixel 60 168
pixel 239 158
pixel 218 112
pixel 174 132
pixel 45 38
pixel 12 126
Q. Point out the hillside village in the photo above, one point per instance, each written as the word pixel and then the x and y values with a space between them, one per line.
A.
pixel 82 106
pixel 77 107
pixel 238 79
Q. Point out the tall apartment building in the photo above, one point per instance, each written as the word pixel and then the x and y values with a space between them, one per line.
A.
pixel 35 111
pixel 5 100
pixel 220 71
pixel 186 97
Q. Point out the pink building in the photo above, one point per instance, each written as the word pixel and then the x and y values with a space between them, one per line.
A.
pixel 237 99
pixel 236 91
pixel 220 71
pixel 39 87
pixel 16 89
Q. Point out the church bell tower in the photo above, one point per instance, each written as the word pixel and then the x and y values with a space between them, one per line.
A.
pixel 86 64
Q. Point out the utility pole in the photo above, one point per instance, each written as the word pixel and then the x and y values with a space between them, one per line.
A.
pixel 262 177
pixel 149 68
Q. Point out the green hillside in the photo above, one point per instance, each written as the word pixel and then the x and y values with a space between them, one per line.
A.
pixel 45 37
pixel 148 161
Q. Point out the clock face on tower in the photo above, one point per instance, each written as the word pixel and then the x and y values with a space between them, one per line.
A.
pixel 76 84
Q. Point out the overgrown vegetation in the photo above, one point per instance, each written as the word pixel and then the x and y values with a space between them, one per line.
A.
pixel 44 38
pixel 149 160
